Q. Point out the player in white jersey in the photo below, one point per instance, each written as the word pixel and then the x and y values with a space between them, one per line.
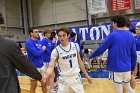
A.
pixel 69 62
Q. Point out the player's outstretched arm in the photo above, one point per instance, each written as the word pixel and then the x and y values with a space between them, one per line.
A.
pixel 49 70
pixel 83 69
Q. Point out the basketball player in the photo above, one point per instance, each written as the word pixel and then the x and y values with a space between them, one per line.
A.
pixel 68 57
pixel 133 81
pixel 47 55
pixel 34 52
pixel 121 54
pixel 137 38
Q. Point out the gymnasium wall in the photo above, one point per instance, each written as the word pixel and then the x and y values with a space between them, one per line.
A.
pixel 58 13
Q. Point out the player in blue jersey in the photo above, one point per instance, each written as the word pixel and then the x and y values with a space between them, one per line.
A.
pixel 34 52
pixel 69 64
pixel 121 54
pixel 50 45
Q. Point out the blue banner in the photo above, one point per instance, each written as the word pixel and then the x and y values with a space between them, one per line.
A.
pixel 96 32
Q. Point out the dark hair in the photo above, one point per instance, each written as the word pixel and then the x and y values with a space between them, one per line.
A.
pixel 64 29
pixel 128 22
pixel 1 19
pixel 72 34
pixel 86 51
pixel 31 29
pixel 52 35
pixel 133 31
pixel 120 20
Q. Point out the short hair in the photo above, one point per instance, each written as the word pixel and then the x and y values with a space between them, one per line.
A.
pixel 46 31
pixel 64 29
pixel 1 19
pixel 86 51
pixel 120 20
pixel 72 34
pixel 128 22
pixel 31 29
pixel 133 31
pixel 52 35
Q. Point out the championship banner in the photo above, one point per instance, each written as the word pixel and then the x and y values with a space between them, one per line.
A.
pixel 96 6
pixel 137 4
pixel 117 5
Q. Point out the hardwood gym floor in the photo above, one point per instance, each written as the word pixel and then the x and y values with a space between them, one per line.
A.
pixel 99 85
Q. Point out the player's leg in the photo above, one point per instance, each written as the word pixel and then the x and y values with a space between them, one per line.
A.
pixel 118 88
pixel 62 87
pixel 33 86
pixel 77 85
pixel 51 81
pixel 99 62
pixel 78 88
pixel 43 86
pixel 128 88
pixel 104 62
pixel 126 82
pixel 118 79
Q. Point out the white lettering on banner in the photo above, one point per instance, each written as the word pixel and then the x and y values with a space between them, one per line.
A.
pixel 73 30
pixel 96 29
pixel 83 32
pixel 105 29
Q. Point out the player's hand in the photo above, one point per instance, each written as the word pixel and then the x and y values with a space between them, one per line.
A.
pixel 54 40
pixel 89 79
pixel 133 81
pixel 43 80
pixel 44 48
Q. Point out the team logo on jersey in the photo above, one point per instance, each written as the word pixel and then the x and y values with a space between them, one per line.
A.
pixel 69 56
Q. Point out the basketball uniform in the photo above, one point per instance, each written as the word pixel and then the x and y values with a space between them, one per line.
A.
pixel 69 68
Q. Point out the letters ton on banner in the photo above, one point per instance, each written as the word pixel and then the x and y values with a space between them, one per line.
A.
pixel 96 6
pixel 117 5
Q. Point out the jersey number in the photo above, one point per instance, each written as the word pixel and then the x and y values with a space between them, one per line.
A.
pixel 70 61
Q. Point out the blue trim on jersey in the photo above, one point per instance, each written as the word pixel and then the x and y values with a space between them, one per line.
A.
pixel 64 49
pixel 126 82
pixel 57 59
pixel 76 47
pixel 80 77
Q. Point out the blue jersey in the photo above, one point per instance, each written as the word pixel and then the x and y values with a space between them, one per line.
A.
pixel 137 38
pixel 34 52
pixel 49 47
pixel 121 51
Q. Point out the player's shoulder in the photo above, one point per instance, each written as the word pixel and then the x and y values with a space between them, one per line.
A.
pixel 74 44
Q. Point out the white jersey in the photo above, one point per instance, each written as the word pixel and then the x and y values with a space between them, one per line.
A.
pixel 67 59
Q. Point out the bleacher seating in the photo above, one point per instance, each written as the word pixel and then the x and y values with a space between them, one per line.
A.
pixel 92 44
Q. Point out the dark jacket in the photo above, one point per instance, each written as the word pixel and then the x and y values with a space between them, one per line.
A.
pixel 11 59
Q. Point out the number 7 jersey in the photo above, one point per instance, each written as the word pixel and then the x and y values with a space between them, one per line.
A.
pixel 67 59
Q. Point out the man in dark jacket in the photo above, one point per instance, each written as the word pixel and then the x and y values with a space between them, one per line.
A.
pixel 11 58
